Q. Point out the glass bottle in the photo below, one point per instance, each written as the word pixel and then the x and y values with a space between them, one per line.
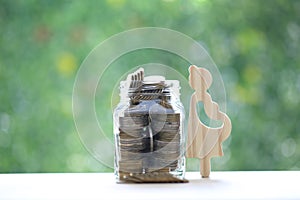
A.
pixel 148 129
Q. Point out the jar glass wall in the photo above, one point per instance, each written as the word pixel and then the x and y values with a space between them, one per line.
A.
pixel 148 129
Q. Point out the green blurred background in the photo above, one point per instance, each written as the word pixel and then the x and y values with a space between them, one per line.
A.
pixel 255 44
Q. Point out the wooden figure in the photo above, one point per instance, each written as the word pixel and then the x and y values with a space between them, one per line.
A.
pixel 204 142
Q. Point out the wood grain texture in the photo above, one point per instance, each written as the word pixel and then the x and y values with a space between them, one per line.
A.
pixel 205 142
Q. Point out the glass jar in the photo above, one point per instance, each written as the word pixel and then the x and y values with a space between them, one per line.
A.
pixel 148 129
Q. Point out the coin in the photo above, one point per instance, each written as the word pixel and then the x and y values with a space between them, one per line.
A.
pixel 133 121
pixel 131 141
pixel 133 132
pixel 128 155
pixel 134 166
pixel 165 128
pixel 168 136
pixel 166 146
pixel 165 117
pixel 137 147
pixel 159 163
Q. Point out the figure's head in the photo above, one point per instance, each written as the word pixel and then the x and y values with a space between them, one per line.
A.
pixel 200 78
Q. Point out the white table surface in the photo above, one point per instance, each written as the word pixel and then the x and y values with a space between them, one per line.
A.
pixel 221 185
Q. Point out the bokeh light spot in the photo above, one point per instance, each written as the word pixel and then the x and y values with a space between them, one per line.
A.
pixel 115 3
pixel 4 122
pixel 288 147
pixel 252 74
pixel 66 64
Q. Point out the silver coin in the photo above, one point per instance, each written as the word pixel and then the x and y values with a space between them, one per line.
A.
pixel 131 140
pixel 158 163
pixel 169 156
pixel 165 128
pixel 166 146
pixel 133 166
pixel 166 117
pixel 133 147
pixel 168 136
pixel 133 121
pixel 138 132
pixel 128 155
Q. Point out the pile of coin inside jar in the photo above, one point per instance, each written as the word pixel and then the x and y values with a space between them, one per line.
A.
pixel 148 131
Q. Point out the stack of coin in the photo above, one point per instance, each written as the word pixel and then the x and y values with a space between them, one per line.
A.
pixel 166 128
pixel 133 126
pixel 133 141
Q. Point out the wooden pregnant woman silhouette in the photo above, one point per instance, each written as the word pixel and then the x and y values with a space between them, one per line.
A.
pixel 204 142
